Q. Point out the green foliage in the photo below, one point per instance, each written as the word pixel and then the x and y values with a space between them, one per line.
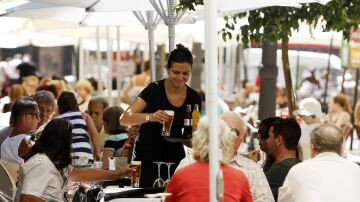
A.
pixel 279 22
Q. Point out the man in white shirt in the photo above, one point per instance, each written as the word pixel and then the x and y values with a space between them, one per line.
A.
pixel 327 177
pixel 259 186
pixel 311 114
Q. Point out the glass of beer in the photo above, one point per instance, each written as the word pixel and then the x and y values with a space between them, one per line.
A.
pixel 167 124
pixel 135 176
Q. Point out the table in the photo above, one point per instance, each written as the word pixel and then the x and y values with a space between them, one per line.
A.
pixel 116 189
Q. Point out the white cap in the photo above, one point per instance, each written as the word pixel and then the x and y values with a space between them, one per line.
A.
pixel 308 107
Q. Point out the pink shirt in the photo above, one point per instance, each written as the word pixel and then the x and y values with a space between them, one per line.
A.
pixel 191 183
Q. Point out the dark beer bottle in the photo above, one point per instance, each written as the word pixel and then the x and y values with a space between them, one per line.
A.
pixel 187 123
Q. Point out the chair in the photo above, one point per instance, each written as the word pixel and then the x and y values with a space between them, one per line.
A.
pixel 8 173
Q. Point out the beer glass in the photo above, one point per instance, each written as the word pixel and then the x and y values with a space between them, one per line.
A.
pixel 135 176
pixel 167 124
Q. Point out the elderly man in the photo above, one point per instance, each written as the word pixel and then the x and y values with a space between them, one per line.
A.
pixel 96 109
pixel 46 102
pixel 328 176
pixel 259 186
pixel 282 143
pixel 311 114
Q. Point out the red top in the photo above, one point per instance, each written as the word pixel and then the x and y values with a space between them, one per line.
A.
pixel 191 183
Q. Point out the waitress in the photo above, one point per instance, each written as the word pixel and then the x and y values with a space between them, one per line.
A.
pixel 171 93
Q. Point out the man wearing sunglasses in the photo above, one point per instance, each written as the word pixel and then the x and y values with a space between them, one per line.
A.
pixel 24 119
pixel 259 186
pixel 46 103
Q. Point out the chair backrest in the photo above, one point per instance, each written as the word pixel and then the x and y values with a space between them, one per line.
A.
pixel 357 128
pixel 348 130
pixel 8 173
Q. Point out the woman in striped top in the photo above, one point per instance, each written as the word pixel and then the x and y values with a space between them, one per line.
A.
pixel 82 125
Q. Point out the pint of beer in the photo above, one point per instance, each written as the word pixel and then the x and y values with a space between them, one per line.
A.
pixel 135 176
pixel 167 124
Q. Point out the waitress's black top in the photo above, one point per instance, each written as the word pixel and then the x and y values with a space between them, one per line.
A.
pixel 150 146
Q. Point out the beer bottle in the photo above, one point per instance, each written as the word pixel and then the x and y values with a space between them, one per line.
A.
pixel 187 123
pixel 195 116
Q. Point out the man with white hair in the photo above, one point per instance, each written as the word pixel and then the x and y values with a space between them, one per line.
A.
pixel 327 177
pixel 311 114
pixel 259 185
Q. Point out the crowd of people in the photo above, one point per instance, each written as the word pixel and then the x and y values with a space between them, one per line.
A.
pixel 55 133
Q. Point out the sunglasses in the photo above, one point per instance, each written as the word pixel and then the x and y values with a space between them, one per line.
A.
pixel 34 114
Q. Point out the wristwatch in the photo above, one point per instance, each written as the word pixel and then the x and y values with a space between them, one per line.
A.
pixel 147 117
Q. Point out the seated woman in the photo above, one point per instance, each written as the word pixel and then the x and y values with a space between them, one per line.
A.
pixel 339 113
pixel 137 84
pixel 192 182
pixel 82 125
pixel 47 166
pixel 117 134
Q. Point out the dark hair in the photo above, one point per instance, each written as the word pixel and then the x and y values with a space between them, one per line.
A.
pixel 50 88
pixel 44 96
pixel 111 117
pixel 147 65
pixel 55 142
pixel 180 55
pixel 93 82
pixel 265 126
pixel 67 102
pixel 101 100
pixel 290 130
pixel 22 105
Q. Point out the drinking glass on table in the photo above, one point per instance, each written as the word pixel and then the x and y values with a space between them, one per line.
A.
pixel 167 124
pixel 135 176
pixel 159 182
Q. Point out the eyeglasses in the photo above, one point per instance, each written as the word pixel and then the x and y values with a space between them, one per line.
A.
pixel 34 114
pixel 237 131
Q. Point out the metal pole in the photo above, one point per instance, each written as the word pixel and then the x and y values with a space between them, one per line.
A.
pixel 109 64
pixel 81 60
pixel 152 54
pixel 354 105
pixel 151 28
pixel 171 25
pixel 98 61
pixel 328 70
pixel 297 69
pixel 211 71
pixel 118 67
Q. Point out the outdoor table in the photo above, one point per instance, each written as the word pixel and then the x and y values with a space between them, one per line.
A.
pixel 116 189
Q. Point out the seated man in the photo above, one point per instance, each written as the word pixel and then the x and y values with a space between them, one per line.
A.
pixel 46 103
pixel 311 114
pixel 328 176
pixel 96 109
pixel 282 143
pixel 24 119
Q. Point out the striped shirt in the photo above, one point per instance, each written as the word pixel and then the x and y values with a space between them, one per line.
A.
pixel 81 142
pixel 115 143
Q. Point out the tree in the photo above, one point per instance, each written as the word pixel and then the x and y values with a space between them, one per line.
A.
pixel 277 23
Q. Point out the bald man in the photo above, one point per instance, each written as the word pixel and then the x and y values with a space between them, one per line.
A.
pixel 259 186
pixel 327 176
